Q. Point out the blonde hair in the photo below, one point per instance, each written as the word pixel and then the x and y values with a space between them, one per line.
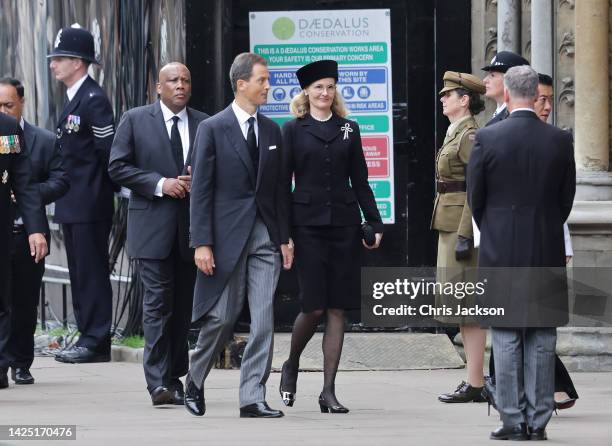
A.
pixel 300 105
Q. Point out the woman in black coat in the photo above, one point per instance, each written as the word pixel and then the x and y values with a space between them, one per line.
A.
pixel 322 151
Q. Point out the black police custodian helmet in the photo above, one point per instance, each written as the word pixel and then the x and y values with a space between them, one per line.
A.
pixel 317 70
pixel 74 42
pixel 505 60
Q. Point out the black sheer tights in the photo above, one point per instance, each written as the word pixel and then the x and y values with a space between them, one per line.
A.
pixel 304 327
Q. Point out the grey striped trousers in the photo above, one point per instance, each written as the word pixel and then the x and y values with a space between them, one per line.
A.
pixel 525 374
pixel 256 275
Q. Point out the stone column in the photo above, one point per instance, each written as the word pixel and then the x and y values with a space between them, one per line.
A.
pixel 592 86
pixel 509 25
pixel 541 36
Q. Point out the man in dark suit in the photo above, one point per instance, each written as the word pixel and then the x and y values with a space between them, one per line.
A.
pixel 148 157
pixel 494 81
pixel 85 132
pixel 15 174
pixel 521 181
pixel 494 89
pixel 238 219
pixel 26 275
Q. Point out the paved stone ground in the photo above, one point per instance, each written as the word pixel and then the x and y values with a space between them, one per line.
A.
pixel 110 406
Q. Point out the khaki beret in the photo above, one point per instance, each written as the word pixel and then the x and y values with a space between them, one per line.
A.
pixel 455 79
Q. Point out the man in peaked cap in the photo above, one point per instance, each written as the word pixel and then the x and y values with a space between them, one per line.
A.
pixel 15 171
pixel 85 132
pixel 494 81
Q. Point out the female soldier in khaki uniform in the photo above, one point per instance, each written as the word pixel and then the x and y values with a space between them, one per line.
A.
pixel 453 220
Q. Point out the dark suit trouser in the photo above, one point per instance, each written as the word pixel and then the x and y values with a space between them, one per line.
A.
pixel 25 293
pixel 524 374
pixel 5 293
pixel 92 296
pixel 167 305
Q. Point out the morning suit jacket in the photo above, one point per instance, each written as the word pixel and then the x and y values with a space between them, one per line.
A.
pixel 141 155
pixel 226 197
pixel 521 182
pixel 15 175
pixel 48 173
pixel 85 152
pixel 331 175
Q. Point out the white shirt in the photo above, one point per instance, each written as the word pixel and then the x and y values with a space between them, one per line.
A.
pixel 75 87
pixel 523 109
pixel 243 119
pixel 183 128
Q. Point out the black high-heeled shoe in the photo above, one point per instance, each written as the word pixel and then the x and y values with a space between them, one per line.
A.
pixel 327 407
pixel 488 393
pixel 288 382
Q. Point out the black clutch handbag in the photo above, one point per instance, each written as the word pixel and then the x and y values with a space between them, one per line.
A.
pixel 368 234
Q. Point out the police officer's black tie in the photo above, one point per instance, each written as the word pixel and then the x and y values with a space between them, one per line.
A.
pixel 252 144
pixel 177 145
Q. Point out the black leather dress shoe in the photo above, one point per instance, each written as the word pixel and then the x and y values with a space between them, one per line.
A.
pixel 194 399
pixel 538 434
pixel 161 395
pixel 3 379
pixel 464 393
pixel 22 375
pixel 516 433
pixel 177 393
pixel 80 355
pixel 259 410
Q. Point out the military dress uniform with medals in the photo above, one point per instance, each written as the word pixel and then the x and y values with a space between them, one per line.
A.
pixel 15 172
pixel 85 132
pixel 452 217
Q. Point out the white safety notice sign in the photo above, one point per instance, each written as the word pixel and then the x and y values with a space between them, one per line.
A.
pixel 360 41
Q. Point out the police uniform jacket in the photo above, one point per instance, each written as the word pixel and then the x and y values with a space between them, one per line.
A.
pixel 451 211
pixel 85 133
pixel 498 117
pixel 331 175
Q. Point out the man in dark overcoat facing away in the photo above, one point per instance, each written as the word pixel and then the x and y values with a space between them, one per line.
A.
pixel 521 183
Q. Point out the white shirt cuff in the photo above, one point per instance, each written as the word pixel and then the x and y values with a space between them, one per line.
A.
pixel 569 252
pixel 158 188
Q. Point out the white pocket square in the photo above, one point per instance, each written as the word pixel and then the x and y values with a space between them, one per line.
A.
pixel 272 148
